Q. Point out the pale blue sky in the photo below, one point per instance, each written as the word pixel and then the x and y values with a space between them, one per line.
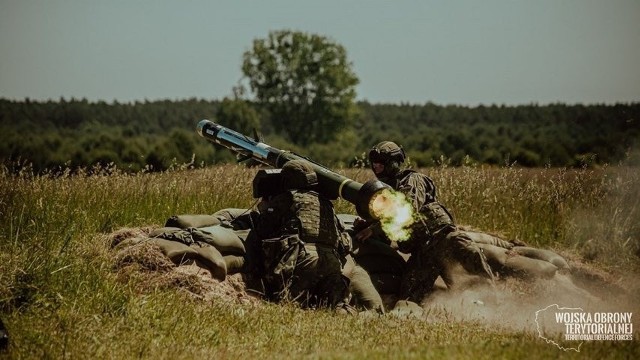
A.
pixel 464 52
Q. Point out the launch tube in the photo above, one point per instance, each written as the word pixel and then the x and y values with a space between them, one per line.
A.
pixel 330 184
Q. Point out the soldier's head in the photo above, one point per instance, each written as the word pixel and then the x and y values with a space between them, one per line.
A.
pixel 386 159
pixel 298 174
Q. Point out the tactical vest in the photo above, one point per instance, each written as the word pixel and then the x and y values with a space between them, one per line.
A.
pixel 316 218
pixel 302 213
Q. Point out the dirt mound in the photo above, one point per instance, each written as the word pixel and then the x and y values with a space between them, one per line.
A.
pixel 120 235
pixel 147 268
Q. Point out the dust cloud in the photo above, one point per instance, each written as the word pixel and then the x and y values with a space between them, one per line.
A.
pixel 512 303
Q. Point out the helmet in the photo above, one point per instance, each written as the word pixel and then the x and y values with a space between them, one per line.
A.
pixel 385 151
pixel 388 153
pixel 298 174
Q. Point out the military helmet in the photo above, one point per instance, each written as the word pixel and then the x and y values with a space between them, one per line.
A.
pixel 391 155
pixel 386 151
pixel 298 174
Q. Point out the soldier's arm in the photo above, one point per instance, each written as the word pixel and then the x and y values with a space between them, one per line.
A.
pixel 415 189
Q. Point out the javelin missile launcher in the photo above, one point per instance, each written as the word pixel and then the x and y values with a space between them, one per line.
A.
pixel 330 184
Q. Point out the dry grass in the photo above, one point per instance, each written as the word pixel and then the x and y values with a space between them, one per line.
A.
pixel 65 294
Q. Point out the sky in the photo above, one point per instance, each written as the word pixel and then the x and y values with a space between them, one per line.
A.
pixel 462 52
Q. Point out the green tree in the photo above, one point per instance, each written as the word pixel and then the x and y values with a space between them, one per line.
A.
pixel 305 82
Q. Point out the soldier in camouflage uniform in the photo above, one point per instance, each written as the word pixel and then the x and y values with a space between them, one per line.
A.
pixel 436 245
pixel 300 238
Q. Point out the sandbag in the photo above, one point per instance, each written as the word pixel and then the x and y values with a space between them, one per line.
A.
pixel 484 238
pixel 180 244
pixel 179 252
pixel 235 264
pixel 224 239
pixel 211 259
pixel 230 214
pixel 542 254
pixel 516 261
pixel 243 235
pixel 172 233
pixel 205 256
pixel 496 255
pixel 523 266
pixel 220 237
pixel 189 221
pixel 176 251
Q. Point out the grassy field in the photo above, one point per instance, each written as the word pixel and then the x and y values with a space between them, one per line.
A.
pixel 60 296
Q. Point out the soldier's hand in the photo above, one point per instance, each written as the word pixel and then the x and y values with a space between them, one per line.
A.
pixel 360 223
pixel 364 234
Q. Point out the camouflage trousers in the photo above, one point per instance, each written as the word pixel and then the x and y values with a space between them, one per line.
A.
pixel 447 255
pixel 317 279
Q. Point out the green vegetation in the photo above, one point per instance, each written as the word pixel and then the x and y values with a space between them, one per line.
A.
pixel 60 296
pixel 305 82
pixel 161 134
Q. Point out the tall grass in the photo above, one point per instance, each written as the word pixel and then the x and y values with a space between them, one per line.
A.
pixel 60 298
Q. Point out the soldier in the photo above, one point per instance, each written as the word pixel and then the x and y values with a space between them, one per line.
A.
pixel 436 246
pixel 300 237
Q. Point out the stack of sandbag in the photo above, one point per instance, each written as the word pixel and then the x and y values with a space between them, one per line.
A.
pixel 208 240
pixel 513 258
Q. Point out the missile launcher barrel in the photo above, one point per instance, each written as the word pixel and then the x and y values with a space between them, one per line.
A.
pixel 330 184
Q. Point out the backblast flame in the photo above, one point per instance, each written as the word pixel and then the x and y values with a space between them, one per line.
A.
pixel 394 212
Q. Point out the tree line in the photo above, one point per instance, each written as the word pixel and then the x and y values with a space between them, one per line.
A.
pixel 298 91
pixel 156 135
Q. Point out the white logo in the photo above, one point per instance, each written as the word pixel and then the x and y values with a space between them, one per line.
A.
pixel 560 326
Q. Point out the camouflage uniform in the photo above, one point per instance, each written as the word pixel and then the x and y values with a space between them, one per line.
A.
pixel 436 245
pixel 300 238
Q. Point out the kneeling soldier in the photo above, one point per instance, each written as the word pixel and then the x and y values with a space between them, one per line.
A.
pixel 301 238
